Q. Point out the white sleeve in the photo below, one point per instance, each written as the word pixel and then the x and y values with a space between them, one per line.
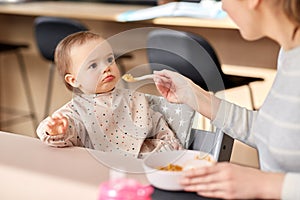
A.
pixel 74 136
pixel 290 188
pixel 235 121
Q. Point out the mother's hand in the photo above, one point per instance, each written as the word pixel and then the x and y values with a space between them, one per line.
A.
pixel 173 86
pixel 229 181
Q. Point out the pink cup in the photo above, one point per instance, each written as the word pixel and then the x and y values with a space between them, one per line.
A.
pixel 124 189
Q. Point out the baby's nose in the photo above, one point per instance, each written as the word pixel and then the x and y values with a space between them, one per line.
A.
pixel 106 69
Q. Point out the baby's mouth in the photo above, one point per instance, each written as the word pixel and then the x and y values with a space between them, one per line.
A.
pixel 108 78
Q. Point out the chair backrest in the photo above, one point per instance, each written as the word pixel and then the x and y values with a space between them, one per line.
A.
pixel 189 54
pixel 49 31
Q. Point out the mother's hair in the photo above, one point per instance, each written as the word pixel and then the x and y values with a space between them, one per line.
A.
pixel 292 10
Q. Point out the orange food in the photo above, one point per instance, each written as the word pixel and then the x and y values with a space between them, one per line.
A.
pixel 171 167
pixel 207 158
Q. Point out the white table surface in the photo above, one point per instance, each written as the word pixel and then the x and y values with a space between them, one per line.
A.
pixel 31 170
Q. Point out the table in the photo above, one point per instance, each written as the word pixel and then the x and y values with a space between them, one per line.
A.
pixel 31 170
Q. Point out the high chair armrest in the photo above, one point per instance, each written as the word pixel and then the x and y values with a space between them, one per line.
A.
pixel 216 143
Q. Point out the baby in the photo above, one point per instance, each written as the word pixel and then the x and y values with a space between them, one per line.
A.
pixel 101 116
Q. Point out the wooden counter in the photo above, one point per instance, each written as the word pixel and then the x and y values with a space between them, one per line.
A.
pixel 79 10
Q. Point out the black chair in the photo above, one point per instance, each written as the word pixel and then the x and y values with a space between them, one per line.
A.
pixel 192 56
pixel 49 31
pixel 19 115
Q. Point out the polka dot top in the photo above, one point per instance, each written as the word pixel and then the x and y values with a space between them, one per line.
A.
pixel 119 121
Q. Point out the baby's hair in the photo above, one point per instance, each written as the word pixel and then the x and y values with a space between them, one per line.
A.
pixel 62 57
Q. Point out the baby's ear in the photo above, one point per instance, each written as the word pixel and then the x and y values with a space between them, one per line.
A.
pixel 69 78
pixel 253 4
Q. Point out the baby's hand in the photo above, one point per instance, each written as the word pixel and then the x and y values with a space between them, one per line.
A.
pixel 57 124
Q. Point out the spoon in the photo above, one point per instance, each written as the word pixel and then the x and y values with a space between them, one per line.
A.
pixel 130 78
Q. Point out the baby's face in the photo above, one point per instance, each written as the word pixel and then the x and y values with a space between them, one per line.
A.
pixel 94 67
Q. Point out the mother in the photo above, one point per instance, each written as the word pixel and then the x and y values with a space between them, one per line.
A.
pixel 274 130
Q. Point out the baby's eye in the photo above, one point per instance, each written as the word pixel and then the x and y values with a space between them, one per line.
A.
pixel 93 66
pixel 110 59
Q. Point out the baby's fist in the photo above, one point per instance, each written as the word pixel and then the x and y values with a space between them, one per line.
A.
pixel 57 124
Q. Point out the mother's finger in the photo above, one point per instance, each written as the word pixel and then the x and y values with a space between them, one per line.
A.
pixel 204 170
pixel 205 187
pixel 199 171
pixel 162 79
pixel 203 175
pixel 214 194
pixel 209 178
pixel 162 73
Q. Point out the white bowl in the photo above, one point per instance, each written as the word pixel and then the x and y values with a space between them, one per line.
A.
pixel 169 180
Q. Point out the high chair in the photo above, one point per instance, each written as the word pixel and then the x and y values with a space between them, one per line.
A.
pixel 180 118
